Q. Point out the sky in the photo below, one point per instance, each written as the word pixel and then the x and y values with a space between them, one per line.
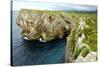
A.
pixel 17 5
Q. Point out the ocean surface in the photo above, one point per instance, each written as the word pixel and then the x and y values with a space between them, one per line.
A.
pixel 25 52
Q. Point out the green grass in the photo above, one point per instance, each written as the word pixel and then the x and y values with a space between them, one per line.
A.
pixel 85 51
pixel 44 11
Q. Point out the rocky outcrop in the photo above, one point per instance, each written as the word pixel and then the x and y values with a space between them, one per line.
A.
pixel 81 43
pixel 43 25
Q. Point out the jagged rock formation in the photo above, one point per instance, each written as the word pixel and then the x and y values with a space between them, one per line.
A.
pixel 43 25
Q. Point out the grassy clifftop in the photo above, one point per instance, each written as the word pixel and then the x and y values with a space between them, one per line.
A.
pixel 77 45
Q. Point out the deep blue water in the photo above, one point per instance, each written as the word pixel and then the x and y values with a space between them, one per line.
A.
pixel 35 52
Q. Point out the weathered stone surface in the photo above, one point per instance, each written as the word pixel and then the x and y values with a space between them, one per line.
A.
pixel 91 57
pixel 43 26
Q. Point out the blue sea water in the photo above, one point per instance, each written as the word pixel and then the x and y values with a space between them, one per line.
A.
pixel 35 52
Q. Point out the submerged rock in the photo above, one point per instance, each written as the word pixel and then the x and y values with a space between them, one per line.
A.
pixel 43 25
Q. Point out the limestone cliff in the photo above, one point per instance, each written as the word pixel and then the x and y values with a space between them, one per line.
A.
pixel 43 25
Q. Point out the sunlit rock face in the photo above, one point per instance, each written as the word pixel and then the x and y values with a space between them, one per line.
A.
pixel 43 25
